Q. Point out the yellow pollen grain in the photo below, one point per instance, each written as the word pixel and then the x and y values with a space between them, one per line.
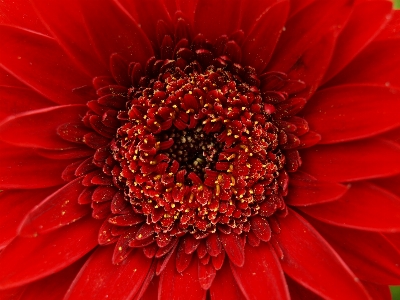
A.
pixel 217 190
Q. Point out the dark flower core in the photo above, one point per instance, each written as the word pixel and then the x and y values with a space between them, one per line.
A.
pixel 189 146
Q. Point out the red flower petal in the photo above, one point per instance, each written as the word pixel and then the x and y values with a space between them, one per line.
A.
pixel 261 275
pixel 377 291
pixel 392 29
pixel 299 292
pixel 7 79
pixel 66 23
pixel 364 206
pixel 259 45
pixel 362 251
pixel 14 293
pixel 57 210
pixel 313 63
pixel 305 190
pixel 58 284
pixel 16 100
pixel 15 213
pixel 20 14
pixel 18 129
pixel 389 183
pixel 28 259
pixel 224 286
pixel 310 261
pixel 112 30
pixel 70 153
pixel 188 7
pixel 19 169
pixel 358 32
pixel 394 239
pixel 216 18
pixel 344 113
pixel 174 285
pixel 311 24
pixel 251 12
pixel 140 11
pixel 370 158
pixel 368 67
pixel 296 6
pixel 99 277
pixel 206 275
pixel 51 75
pixel 234 247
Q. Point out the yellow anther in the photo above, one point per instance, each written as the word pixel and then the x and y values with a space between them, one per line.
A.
pixel 217 190
pixel 231 156
pixel 233 181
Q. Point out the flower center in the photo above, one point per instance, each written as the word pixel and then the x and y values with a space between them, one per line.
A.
pixel 189 147
pixel 199 149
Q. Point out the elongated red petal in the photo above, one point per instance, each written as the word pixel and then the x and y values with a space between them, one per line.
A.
pixel 299 292
pixel 389 183
pixel 21 14
pixel 378 291
pixel 233 247
pixel 343 113
pixel 259 45
pixel 224 286
pixel 22 56
pixel 148 22
pixel 57 283
pixel 368 67
pixel 130 41
pixel 18 129
pixel 311 24
pixel 13 293
pixel 364 159
pixel 261 275
pixel 313 63
pixel 59 209
pixel 251 12
pixel 206 275
pixel 28 259
pixel 306 190
pixel 19 166
pixel 17 203
pixel 364 206
pixel 16 100
pixel 174 285
pixel 99 277
pixel 65 22
pixel 188 7
pixel 296 6
pixel 362 251
pixel 392 28
pixel 358 32
pixel 309 260
pixel 216 18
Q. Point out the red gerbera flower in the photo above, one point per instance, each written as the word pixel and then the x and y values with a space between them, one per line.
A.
pixel 199 149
